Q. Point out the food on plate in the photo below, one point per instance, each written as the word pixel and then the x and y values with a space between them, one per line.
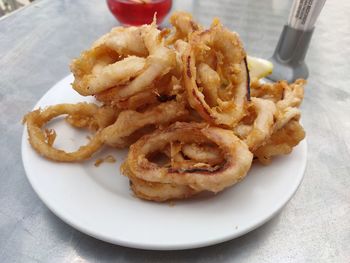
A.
pixel 107 159
pixel 122 132
pixel 130 58
pixel 187 101
pixel 281 142
pixel 257 125
pixel 42 142
pixel 159 192
pixel 200 176
pixel 216 75
pixel 183 25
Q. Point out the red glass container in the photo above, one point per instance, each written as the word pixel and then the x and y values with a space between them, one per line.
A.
pixel 139 12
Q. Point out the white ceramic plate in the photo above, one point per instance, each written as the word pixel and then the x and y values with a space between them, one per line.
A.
pixel 98 201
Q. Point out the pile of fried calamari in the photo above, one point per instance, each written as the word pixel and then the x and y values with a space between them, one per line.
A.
pixel 183 102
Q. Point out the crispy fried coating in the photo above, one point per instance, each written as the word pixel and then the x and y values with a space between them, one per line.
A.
pixel 182 101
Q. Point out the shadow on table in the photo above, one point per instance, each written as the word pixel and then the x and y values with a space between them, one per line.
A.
pixel 92 250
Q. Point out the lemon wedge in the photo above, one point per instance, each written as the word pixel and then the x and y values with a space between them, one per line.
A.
pixel 258 67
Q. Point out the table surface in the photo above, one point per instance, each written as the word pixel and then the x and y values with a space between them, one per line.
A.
pixel 38 42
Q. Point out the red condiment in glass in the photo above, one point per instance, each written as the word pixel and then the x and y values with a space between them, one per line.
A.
pixel 139 12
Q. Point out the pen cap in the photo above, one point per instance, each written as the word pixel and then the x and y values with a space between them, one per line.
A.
pixel 289 55
pixel 288 58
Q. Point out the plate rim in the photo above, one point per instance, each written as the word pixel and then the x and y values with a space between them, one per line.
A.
pixel 140 245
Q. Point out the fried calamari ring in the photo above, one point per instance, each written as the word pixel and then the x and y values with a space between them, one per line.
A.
pixel 292 94
pixel 110 63
pixel 287 132
pixel 111 97
pixel 37 119
pixel 159 92
pixel 287 98
pixel 210 81
pixel 158 192
pixel 184 25
pixel 269 91
pixel 125 41
pixel 180 47
pixel 130 121
pixel 287 107
pixel 192 155
pixel 218 56
pixel 237 157
pixel 202 153
pixel 159 62
pixel 113 60
pixel 103 117
pixel 281 142
pixel 118 73
pixel 284 116
pixel 258 126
